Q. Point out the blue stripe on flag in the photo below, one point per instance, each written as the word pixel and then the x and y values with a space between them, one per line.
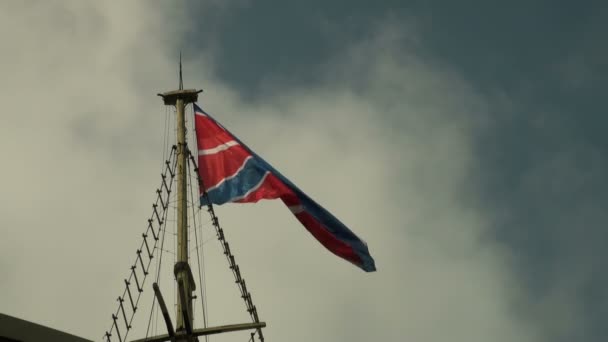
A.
pixel 237 187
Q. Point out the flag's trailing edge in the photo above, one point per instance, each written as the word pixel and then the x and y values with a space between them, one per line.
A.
pixel 232 172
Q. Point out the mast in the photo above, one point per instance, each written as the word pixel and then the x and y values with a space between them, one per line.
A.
pixel 182 211
pixel 185 281
pixel 176 169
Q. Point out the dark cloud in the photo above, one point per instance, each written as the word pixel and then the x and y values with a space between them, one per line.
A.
pixel 540 144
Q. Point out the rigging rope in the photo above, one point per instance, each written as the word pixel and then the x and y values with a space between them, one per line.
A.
pixel 164 149
pixel 158 269
pixel 240 281
pixel 164 152
pixel 198 256
pixel 144 249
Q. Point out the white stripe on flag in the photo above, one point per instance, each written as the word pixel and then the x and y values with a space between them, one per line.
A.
pixel 252 189
pixel 231 176
pixel 218 148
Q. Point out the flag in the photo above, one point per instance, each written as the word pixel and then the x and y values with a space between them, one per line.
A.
pixel 231 172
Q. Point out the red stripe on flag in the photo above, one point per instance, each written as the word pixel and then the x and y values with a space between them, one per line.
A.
pixel 213 136
pixel 217 166
pixel 338 247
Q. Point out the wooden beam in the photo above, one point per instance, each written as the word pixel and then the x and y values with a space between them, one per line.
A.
pixel 183 299
pixel 228 328
pixel 163 309
pixel 208 331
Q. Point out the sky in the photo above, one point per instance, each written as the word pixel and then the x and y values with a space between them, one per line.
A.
pixel 463 142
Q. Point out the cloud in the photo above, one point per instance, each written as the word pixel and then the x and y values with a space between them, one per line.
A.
pixel 77 132
pixel 556 219
pixel 385 141
pixel 394 134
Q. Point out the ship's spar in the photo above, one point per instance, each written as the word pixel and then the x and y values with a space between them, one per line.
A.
pixel 176 169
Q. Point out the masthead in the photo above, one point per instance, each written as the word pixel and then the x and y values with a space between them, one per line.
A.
pixel 181 80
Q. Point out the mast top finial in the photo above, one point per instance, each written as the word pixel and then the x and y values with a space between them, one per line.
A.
pixel 181 80
pixel 187 95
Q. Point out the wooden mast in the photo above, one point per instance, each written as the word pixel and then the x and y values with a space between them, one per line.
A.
pixel 185 281
pixel 184 330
